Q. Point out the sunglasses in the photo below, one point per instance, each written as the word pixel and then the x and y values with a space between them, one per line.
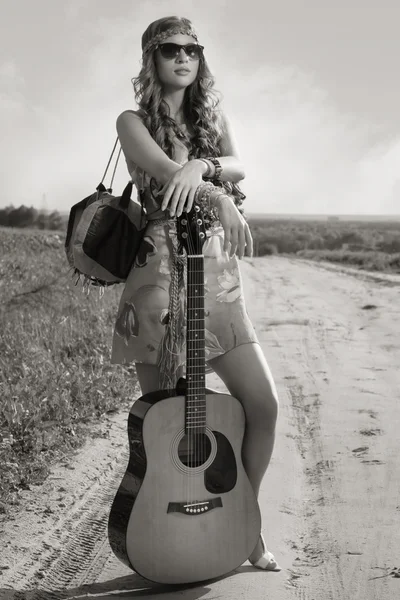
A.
pixel 170 50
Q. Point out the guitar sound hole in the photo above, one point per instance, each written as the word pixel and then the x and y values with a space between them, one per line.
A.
pixel 194 449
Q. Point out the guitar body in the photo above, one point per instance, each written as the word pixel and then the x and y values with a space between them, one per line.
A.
pixel 149 528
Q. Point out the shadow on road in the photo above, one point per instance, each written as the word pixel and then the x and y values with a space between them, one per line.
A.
pixel 131 586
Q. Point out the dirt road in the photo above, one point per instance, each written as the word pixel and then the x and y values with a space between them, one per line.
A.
pixel 330 500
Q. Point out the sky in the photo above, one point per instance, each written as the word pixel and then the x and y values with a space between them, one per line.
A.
pixel 309 85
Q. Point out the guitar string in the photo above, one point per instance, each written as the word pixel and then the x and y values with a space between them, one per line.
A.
pixel 196 436
pixel 188 412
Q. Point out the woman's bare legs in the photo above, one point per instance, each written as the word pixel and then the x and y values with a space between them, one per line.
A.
pixel 148 377
pixel 245 372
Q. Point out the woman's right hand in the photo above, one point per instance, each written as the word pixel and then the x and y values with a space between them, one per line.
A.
pixel 236 229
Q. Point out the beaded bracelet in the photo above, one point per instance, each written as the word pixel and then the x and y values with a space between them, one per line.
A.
pixel 202 194
pixel 203 198
pixel 217 165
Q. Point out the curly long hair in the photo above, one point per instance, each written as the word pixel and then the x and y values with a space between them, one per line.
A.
pixel 200 105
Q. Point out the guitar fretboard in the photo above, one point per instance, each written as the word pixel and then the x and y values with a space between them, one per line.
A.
pixel 195 417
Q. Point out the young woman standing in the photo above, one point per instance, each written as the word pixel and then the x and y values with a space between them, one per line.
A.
pixel 179 147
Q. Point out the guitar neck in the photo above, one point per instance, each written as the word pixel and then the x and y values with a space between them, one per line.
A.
pixel 195 413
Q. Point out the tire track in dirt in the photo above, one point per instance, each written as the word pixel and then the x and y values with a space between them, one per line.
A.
pixel 76 547
pixel 306 380
pixel 341 369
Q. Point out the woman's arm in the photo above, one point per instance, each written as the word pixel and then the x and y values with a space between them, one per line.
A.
pixel 138 145
pixel 232 167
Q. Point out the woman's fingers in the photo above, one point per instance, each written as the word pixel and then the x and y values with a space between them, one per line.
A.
pixel 249 240
pixel 182 200
pixel 227 238
pixel 190 200
pixel 242 242
pixel 178 192
pixel 168 193
pixel 234 241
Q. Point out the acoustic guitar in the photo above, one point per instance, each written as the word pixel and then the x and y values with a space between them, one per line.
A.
pixel 185 510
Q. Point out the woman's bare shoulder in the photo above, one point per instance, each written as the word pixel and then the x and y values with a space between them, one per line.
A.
pixel 129 113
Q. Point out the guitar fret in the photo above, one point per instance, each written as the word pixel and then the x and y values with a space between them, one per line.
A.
pixel 195 417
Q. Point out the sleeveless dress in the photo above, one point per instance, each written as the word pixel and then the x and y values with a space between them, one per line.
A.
pixel 144 316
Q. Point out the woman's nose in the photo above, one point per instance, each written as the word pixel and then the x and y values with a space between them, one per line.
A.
pixel 183 57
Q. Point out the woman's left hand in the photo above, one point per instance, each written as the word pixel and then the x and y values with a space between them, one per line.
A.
pixel 181 187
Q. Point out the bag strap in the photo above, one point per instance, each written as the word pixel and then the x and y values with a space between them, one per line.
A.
pixel 116 164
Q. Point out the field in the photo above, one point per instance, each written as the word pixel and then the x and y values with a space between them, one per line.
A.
pixel 55 376
pixel 370 245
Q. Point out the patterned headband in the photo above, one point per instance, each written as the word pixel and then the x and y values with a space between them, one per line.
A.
pixel 166 34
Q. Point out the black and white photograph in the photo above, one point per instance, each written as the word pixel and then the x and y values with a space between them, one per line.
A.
pixel 199 300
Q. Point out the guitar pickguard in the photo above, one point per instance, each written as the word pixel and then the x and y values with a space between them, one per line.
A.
pixel 221 476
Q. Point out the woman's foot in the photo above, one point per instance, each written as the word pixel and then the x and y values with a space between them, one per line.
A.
pixel 261 558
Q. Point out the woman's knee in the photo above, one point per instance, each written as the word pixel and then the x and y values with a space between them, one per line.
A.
pixel 246 374
pixel 262 409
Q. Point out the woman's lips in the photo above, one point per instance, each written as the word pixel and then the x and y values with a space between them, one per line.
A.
pixel 182 72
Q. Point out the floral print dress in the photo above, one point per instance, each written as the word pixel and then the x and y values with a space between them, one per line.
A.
pixel 143 314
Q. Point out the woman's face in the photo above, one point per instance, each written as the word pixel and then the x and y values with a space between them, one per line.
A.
pixel 168 68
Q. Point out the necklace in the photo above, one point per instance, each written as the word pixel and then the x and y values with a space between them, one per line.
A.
pixel 182 131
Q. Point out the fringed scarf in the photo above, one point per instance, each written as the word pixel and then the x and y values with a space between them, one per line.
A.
pixel 174 337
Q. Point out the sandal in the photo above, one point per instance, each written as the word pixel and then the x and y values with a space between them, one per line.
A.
pixel 267 562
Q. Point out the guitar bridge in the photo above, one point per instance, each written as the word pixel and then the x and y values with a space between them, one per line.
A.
pixel 194 508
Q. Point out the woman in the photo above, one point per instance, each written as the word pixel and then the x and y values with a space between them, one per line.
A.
pixel 177 139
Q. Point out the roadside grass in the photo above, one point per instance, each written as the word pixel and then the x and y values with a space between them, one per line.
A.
pixel 373 245
pixel 56 380
pixel 370 260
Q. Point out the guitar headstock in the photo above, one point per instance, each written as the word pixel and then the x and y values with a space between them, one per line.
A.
pixel 191 230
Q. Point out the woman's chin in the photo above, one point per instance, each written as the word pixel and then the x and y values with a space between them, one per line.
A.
pixel 173 86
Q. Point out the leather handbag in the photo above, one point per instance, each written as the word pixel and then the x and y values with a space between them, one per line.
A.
pixel 104 233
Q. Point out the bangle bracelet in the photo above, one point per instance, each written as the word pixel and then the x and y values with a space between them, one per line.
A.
pixel 207 173
pixel 211 171
pixel 218 168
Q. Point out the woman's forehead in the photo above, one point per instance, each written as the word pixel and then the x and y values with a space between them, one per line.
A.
pixel 180 38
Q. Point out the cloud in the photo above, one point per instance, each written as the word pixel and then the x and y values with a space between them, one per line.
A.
pixel 12 85
pixel 301 153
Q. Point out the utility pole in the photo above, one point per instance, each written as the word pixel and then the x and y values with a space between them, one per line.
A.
pixel 44 210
